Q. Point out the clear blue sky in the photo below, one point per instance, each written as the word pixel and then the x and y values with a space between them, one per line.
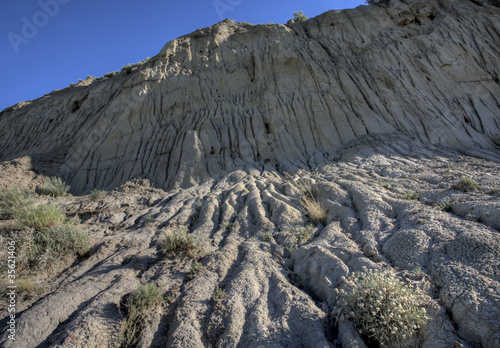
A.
pixel 47 44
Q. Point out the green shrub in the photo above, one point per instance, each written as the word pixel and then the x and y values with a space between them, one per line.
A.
pixel 268 236
pixel 54 186
pixel 111 74
pixel 291 248
pixel 128 68
pixel 377 2
pixel 446 206
pixel 142 299
pixel 131 328
pixel 196 268
pixel 385 184
pixel 63 240
pixel 13 201
pixel 96 194
pixel 298 17
pixel 466 184
pixel 302 233
pixel 41 217
pixel 146 295
pixel 412 195
pixel 178 243
pixel 218 296
pixel 148 219
pixel 382 307
pixel 37 249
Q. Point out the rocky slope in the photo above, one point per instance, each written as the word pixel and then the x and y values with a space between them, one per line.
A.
pixel 233 95
pixel 220 133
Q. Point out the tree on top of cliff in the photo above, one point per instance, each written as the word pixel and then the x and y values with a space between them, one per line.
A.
pixel 298 17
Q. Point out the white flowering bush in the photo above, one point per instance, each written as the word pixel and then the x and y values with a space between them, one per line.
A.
pixel 382 307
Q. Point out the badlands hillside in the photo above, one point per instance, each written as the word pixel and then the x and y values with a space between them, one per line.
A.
pixel 232 186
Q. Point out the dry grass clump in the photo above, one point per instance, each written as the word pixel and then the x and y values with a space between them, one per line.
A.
pixel 55 187
pixel 309 200
pixel 145 297
pixel 383 308
pixel 180 243
pixel 466 184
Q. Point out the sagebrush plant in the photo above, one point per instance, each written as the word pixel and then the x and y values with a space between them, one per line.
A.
pixel 13 201
pixel 382 307
pixel 131 328
pixel 196 268
pixel 140 301
pixel 385 184
pixel 54 186
pixel 148 219
pixel 146 295
pixel 302 233
pixel 62 240
pixel 446 206
pixel 96 194
pixel 180 243
pixel 41 216
pixel 291 248
pixel 218 296
pixel 38 249
pixel 466 184
pixel 412 195
pixel 268 236
pixel 172 294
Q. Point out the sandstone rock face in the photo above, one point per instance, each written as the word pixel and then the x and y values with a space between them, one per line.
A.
pixel 235 95
pixel 225 132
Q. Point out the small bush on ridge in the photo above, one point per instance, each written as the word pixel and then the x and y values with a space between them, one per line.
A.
pixel 178 243
pixel 466 184
pixel 298 17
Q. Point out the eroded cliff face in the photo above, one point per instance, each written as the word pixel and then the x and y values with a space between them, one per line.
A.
pixel 239 95
pixel 379 111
